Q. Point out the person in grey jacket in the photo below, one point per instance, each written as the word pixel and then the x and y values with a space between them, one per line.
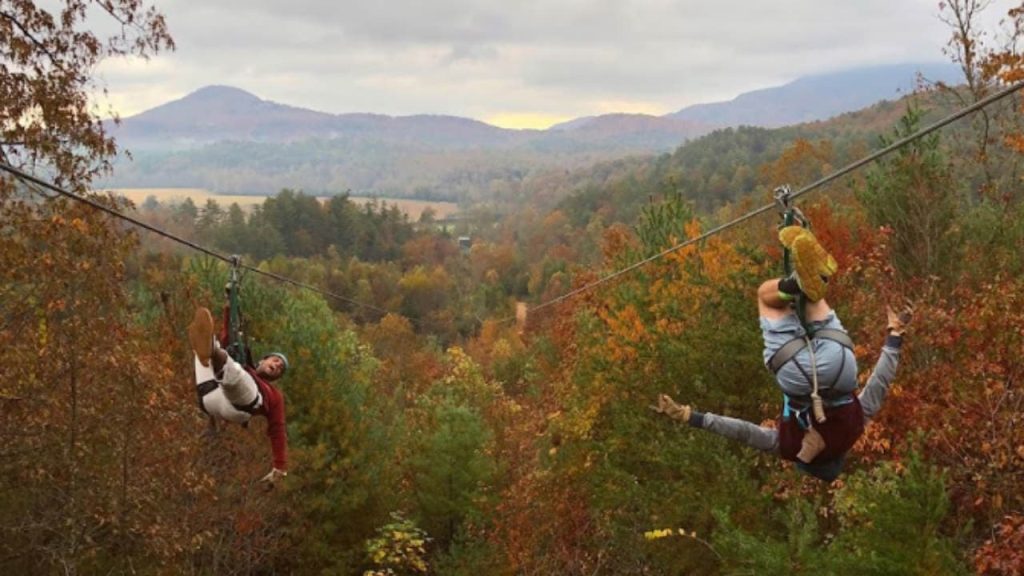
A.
pixel 821 457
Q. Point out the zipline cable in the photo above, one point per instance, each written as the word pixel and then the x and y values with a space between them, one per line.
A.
pixel 33 180
pixel 298 284
pixel 814 185
pixel 590 285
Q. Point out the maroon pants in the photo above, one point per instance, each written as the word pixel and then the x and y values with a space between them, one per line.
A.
pixel 842 427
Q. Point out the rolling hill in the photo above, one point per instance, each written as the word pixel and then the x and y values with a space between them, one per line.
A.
pixel 230 141
pixel 818 97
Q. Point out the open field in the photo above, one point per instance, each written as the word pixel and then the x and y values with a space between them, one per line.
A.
pixel 200 196
pixel 414 208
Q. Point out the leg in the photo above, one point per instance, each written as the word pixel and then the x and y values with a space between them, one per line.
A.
pixel 817 311
pixel 238 386
pixel 215 403
pixel 772 305
pixel 234 386
pixel 764 439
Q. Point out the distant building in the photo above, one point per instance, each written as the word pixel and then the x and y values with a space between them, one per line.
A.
pixel 465 243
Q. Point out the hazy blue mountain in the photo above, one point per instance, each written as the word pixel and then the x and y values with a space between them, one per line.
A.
pixel 228 140
pixel 231 141
pixel 222 113
pixel 818 97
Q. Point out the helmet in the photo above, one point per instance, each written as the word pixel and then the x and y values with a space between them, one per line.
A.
pixel 282 357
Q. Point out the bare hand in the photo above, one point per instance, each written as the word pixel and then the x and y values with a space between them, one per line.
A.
pixel 273 476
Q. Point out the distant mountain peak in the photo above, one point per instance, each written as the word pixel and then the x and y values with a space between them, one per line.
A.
pixel 819 96
pixel 222 92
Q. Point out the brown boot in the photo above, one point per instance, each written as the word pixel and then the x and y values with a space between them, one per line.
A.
pixel 200 335
pixel 812 445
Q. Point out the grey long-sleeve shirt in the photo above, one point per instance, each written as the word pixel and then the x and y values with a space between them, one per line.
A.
pixel 767 439
pixel 873 394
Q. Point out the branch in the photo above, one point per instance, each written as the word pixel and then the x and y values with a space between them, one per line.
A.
pixel 108 7
pixel 38 44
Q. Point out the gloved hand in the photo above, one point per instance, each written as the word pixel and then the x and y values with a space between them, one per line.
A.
pixel 669 407
pixel 273 476
pixel 898 321
pixel 812 444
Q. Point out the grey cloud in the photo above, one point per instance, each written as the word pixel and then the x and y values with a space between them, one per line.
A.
pixel 465 52
pixel 472 57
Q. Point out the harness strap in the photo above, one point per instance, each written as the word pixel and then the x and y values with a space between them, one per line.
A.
pixel 800 408
pixel 790 349
pixel 785 353
pixel 204 388
pixel 251 407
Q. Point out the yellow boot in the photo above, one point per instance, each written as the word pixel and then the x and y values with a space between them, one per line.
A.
pixel 812 263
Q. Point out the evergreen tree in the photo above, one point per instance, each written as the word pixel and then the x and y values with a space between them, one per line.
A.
pixel 914 192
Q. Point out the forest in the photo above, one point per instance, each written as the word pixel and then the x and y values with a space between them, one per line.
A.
pixel 430 430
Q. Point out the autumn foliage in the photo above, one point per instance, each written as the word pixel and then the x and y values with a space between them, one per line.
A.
pixel 429 433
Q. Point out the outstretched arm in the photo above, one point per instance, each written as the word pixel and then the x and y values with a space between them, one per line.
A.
pixel 758 437
pixel 873 394
pixel 277 435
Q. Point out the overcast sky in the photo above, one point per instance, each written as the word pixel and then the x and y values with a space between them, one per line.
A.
pixel 520 63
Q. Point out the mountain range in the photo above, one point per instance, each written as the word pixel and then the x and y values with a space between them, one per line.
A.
pixel 231 141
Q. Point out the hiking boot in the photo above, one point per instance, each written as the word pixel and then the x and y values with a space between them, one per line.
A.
pixel 812 264
pixel 200 335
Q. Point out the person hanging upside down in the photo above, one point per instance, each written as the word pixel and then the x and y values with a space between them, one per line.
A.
pixel 235 393
pixel 818 368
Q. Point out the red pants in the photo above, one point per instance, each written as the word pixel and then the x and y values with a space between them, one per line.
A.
pixel 842 427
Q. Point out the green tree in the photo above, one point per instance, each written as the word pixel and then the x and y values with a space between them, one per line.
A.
pixel 451 468
pixel 890 521
pixel 262 240
pixel 345 224
pixel 914 192
pixel 233 235
pixel 186 213
pixel 210 219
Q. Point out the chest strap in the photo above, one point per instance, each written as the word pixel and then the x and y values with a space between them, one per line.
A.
pixel 790 349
